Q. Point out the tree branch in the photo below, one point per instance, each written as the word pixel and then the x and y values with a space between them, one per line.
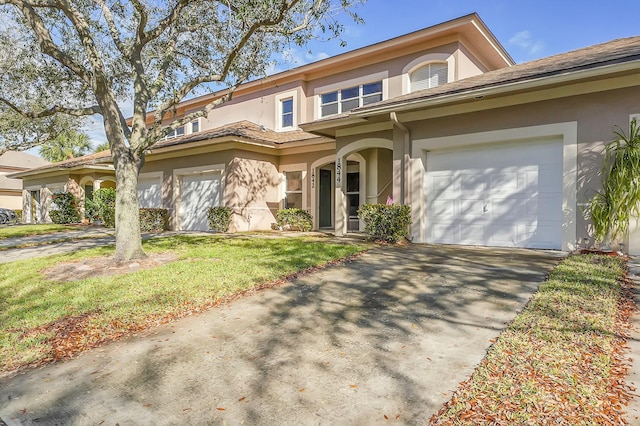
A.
pixel 163 24
pixel 45 40
pixel 256 25
pixel 77 112
pixel 113 30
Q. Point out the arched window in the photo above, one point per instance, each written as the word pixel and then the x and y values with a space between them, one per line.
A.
pixel 428 76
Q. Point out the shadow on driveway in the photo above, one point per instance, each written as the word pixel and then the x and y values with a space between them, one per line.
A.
pixel 389 334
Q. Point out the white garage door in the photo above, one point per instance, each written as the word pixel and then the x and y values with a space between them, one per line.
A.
pixel 198 192
pixel 502 195
pixel 150 192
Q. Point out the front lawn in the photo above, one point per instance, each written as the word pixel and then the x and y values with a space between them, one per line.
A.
pixel 42 320
pixel 28 230
pixel 562 360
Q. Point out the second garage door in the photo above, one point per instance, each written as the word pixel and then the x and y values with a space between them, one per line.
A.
pixel 502 195
pixel 198 192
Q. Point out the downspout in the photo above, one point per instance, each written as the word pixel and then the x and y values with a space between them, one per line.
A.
pixel 404 176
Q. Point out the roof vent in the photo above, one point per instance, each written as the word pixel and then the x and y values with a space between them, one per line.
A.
pixel 262 128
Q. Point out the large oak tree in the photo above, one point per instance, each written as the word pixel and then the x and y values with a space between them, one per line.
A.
pixel 88 57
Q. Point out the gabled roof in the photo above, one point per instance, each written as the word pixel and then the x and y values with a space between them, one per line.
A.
pixel 242 131
pixel 18 160
pixel 98 160
pixel 10 184
pixel 598 56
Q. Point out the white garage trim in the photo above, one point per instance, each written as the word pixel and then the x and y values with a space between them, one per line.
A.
pixel 178 175
pixel 566 131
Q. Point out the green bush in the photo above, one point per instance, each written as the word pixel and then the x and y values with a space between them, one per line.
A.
pixel 387 223
pixel 219 219
pixel 66 208
pixel 154 220
pixel 294 220
pixel 19 214
pixel 103 207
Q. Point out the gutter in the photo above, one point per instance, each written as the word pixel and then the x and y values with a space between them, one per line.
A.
pixel 32 172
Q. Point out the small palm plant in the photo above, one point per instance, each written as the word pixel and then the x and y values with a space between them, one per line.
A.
pixel 612 207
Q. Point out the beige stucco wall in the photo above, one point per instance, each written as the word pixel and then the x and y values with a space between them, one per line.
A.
pixel 259 108
pixel 262 107
pixel 11 200
pixel 468 64
pixel 251 184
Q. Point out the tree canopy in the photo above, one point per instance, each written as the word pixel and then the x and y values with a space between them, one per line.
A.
pixel 108 57
pixel 68 144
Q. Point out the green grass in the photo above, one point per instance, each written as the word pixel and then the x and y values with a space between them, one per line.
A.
pixel 208 269
pixel 559 361
pixel 28 230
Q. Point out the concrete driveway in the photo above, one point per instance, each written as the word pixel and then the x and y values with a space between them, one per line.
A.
pixel 388 336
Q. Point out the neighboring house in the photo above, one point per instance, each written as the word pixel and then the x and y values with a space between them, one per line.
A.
pixel 484 151
pixel 11 188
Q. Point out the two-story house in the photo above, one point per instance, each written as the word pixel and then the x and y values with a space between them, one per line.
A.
pixel 484 151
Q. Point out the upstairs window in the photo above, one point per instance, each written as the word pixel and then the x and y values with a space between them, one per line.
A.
pixel 286 105
pixel 180 131
pixel 347 99
pixel 429 76
pixel 175 133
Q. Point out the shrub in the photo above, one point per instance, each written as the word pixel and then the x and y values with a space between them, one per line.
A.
pixel 19 214
pixel 294 220
pixel 219 219
pixel 103 206
pixel 387 223
pixel 154 220
pixel 66 208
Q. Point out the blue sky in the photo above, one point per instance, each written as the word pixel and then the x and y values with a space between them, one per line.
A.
pixel 527 29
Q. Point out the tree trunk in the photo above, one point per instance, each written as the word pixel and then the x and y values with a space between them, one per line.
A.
pixel 128 241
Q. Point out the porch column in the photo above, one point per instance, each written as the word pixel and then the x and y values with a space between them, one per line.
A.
pixel 26 206
pixel 341 198
pixel 45 205
pixel 398 166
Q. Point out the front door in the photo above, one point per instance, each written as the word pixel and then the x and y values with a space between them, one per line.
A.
pixel 324 198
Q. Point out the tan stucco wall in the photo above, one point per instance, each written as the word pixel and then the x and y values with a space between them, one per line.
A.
pixel 262 107
pixel 251 184
pixel 467 64
pixel 259 108
pixel 385 174
pixel 11 200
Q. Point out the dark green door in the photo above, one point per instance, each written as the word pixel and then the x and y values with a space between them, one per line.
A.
pixel 324 196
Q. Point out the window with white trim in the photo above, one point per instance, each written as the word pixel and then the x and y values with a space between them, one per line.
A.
pixel 428 76
pixel 175 133
pixel 293 190
pixel 286 113
pixel 181 131
pixel 344 100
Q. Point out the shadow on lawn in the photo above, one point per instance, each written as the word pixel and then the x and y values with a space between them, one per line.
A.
pixel 388 335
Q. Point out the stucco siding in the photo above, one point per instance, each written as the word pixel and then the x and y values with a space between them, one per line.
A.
pixel 260 108
pixel 11 200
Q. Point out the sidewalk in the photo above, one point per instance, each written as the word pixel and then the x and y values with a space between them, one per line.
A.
pixel 63 242
pixel 85 232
